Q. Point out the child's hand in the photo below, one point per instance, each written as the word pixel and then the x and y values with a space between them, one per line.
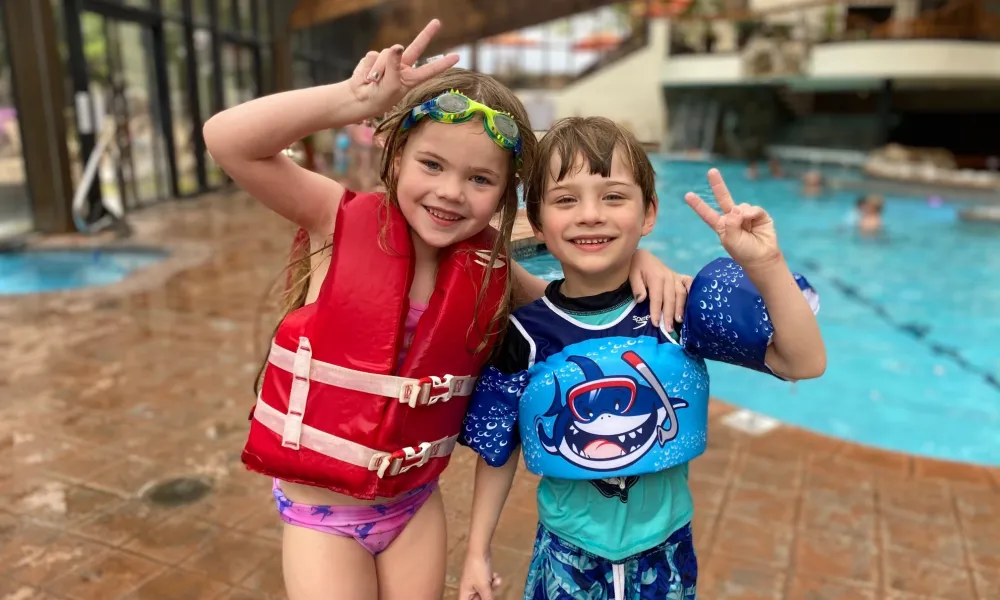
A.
pixel 381 79
pixel 666 289
pixel 746 232
pixel 478 579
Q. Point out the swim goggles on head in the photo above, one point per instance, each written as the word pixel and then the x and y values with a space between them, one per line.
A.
pixel 456 107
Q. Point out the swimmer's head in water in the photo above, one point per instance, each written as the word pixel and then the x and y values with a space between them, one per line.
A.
pixel 813 178
pixel 871 203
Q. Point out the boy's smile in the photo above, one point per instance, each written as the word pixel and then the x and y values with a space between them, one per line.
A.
pixel 592 224
pixel 591 243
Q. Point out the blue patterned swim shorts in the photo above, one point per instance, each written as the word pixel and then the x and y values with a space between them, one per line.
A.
pixel 562 571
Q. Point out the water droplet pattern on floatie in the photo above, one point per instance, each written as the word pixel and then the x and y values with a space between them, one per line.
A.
pixel 725 318
pixel 491 423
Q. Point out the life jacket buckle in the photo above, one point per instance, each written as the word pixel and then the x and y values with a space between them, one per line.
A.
pixel 427 390
pixel 400 461
pixel 441 389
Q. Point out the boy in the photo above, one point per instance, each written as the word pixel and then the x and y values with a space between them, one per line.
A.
pixel 608 408
pixel 869 214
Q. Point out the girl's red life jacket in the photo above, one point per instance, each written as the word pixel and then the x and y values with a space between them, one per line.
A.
pixel 334 411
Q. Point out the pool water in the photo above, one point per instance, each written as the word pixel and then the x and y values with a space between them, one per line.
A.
pixel 48 271
pixel 910 320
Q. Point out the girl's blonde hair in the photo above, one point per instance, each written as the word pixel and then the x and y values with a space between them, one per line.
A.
pixel 296 289
pixel 481 88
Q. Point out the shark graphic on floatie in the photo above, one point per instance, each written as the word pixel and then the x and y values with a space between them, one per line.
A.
pixel 610 421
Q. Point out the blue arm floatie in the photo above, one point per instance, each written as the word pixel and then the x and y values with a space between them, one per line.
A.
pixel 725 318
pixel 490 426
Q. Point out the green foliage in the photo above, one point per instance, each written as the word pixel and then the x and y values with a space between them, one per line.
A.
pixel 95 46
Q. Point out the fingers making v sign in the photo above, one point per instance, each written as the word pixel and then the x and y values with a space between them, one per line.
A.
pixel 745 231
pixel 383 78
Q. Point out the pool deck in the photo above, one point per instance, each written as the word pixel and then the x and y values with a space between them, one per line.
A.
pixel 104 391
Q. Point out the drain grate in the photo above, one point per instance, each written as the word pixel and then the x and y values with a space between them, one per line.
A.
pixel 178 491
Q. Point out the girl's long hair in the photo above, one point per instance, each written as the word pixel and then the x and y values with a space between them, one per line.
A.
pixel 298 273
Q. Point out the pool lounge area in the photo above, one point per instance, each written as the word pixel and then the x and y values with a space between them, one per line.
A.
pixel 139 387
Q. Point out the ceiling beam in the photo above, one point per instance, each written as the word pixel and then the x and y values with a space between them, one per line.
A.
pixel 314 12
pixel 465 21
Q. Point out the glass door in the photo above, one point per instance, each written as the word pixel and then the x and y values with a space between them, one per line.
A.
pixel 123 84
pixel 207 73
pixel 185 145
pixel 15 204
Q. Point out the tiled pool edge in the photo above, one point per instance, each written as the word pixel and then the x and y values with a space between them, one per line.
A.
pixel 526 248
pixel 180 255
pixel 842 454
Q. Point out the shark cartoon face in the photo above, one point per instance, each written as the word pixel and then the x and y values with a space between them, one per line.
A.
pixel 609 422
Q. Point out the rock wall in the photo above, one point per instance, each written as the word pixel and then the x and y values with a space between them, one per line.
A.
pixel 748 119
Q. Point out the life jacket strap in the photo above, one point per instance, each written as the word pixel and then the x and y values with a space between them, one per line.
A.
pixel 385 464
pixel 423 391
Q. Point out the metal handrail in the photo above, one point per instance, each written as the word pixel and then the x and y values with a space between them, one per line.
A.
pixel 87 181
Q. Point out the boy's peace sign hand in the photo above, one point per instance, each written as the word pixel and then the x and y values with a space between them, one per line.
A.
pixel 381 79
pixel 746 232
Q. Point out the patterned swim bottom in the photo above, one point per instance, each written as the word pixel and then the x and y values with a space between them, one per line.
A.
pixel 374 526
pixel 562 571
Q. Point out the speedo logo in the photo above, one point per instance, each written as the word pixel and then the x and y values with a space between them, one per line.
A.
pixel 640 322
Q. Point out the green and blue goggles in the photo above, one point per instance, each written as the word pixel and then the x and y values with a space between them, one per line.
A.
pixel 456 107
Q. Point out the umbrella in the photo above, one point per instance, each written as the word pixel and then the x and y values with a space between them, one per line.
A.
pixel 598 41
pixel 511 39
pixel 667 8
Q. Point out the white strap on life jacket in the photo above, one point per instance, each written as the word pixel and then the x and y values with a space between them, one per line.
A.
pixel 299 394
pixel 384 463
pixel 415 392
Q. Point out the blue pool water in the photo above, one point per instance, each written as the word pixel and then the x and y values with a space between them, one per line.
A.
pixel 47 271
pixel 911 321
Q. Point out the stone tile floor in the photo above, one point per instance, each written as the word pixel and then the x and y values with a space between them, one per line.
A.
pixel 104 391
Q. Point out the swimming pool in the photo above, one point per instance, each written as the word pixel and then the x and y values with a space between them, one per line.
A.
pixel 37 271
pixel 911 320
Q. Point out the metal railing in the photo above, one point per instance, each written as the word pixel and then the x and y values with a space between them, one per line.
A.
pixel 114 211
pixel 825 21
pixel 554 60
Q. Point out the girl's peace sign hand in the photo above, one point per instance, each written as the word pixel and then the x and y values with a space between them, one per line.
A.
pixel 746 232
pixel 381 79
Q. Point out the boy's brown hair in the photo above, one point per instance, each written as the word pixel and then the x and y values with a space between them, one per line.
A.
pixel 592 140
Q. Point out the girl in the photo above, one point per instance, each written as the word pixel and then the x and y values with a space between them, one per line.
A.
pixel 399 305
